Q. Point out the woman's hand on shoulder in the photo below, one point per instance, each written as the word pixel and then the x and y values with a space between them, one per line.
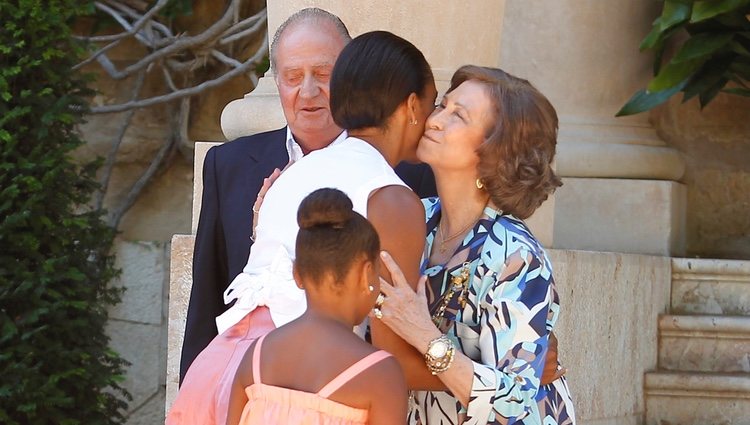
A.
pixel 404 311
pixel 267 183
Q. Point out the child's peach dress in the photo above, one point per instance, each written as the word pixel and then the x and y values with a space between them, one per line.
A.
pixel 271 405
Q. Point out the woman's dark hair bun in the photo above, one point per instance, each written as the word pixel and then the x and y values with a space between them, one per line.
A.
pixel 327 208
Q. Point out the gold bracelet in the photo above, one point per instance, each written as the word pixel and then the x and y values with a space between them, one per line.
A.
pixel 439 355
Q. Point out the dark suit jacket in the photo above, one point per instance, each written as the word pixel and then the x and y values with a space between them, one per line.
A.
pixel 233 174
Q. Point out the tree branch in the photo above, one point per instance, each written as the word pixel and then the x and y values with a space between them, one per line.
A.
pixel 137 188
pixel 231 38
pixel 182 43
pixel 186 91
pixel 117 38
pixel 221 57
pixel 122 21
pixel 248 22
pixel 168 79
pixel 134 14
pixel 181 59
pixel 110 162
pixel 181 126
pixel 179 67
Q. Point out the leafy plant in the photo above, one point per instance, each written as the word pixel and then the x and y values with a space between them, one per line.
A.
pixel 715 51
pixel 55 259
pixel 178 8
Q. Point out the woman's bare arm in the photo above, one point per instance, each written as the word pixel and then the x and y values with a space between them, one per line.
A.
pixel 398 216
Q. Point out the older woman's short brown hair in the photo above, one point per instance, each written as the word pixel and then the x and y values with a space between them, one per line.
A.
pixel 516 156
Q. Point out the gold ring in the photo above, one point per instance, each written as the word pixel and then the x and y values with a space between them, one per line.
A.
pixel 377 312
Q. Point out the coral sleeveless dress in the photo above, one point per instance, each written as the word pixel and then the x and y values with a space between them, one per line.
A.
pixel 271 405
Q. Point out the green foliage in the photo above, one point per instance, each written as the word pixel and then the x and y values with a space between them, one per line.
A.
pixel 715 52
pixel 175 8
pixel 55 259
pixel 263 65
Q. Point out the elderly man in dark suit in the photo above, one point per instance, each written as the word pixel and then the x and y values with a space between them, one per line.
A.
pixel 303 53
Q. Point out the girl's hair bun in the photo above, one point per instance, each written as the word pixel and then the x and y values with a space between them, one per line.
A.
pixel 325 208
pixel 331 237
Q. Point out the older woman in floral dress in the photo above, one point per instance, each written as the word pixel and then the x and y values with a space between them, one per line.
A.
pixel 489 290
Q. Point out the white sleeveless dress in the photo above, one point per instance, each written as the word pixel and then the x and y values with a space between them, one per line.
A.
pixel 352 166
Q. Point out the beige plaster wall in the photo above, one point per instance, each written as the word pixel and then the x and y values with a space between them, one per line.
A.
pixel 449 33
pixel 620 193
pixel 584 56
pixel 181 283
pixel 620 215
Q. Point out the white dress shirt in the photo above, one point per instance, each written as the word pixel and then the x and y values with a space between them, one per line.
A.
pixel 294 150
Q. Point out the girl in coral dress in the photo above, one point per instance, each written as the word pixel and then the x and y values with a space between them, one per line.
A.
pixel 314 370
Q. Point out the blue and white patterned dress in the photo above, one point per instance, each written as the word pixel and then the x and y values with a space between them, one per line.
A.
pixel 503 326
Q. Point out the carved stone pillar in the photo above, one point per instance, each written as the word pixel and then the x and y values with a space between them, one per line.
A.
pixel 620 189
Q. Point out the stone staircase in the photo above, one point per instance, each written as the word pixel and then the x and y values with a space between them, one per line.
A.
pixel 703 375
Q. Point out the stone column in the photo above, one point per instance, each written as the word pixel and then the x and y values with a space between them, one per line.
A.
pixel 620 189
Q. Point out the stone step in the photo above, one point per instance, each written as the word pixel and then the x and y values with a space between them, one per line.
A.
pixel 704 343
pixel 718 287
pixel 689 398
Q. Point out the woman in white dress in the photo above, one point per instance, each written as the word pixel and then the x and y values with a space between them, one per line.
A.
pixel 382 91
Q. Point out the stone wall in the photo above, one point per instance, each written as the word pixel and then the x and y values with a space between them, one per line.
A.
pixel 607 329
pixel 715 143
pixel 137 326
pixel 609 306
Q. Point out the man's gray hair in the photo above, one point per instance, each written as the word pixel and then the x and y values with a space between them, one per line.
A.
pixel 308 15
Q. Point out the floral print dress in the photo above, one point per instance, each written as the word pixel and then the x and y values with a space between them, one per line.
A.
pixel 502 322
